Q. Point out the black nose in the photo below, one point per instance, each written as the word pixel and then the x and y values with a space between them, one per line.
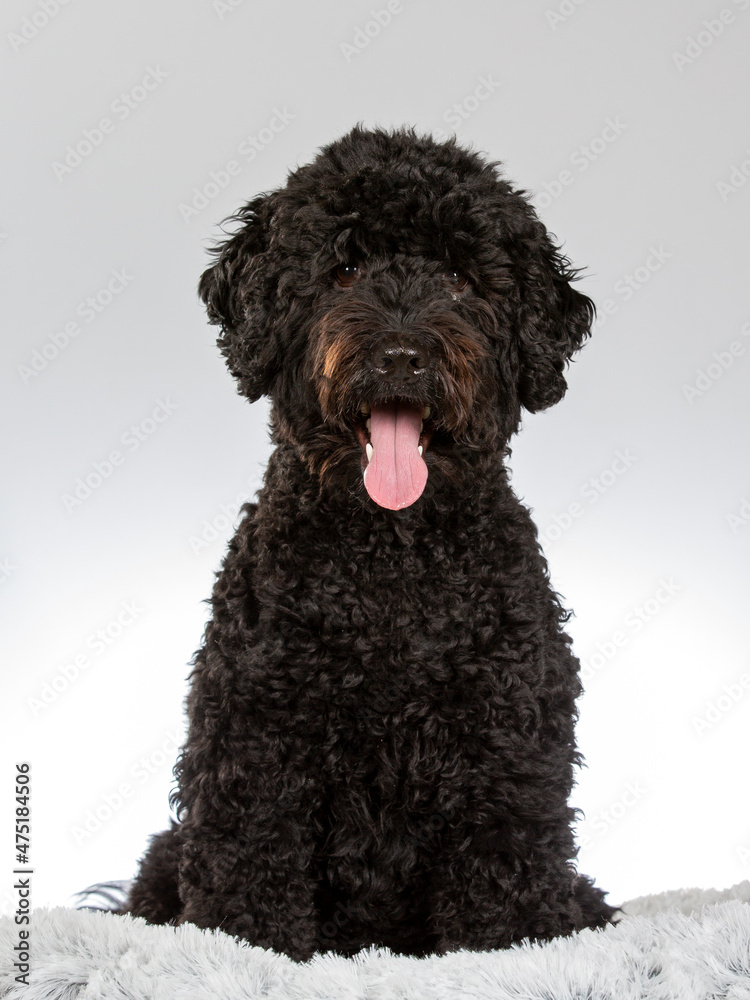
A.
pixel 398 358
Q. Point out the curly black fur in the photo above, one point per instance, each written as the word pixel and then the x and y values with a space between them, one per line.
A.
pixel 381 719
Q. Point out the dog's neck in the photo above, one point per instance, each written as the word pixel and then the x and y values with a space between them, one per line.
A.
pixel 290 489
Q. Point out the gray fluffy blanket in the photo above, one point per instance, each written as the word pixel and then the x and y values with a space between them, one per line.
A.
pixel 688 945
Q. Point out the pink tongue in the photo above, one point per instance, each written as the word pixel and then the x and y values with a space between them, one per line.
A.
pixel 396 474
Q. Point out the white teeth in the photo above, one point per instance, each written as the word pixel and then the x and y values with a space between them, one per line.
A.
pixel 368 451
pixel 364 408
pixel 427 412
pixel 368 424
pixel 419 449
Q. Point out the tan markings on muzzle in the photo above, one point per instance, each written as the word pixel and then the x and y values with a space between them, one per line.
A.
pixel 331 358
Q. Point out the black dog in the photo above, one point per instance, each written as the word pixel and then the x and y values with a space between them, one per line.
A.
pixel 381 720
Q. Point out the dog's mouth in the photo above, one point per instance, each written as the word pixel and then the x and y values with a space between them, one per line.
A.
pixel 394 436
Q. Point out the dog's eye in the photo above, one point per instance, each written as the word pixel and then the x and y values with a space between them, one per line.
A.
pixel 455 280
pixel 347 274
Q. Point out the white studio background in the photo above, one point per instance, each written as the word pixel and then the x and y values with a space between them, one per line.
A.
pixel 628 123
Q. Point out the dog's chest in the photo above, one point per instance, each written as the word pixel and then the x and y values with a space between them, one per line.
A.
pixel 359 607
pixel 395 651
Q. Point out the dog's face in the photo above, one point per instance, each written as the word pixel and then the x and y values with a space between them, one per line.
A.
pixel 399 303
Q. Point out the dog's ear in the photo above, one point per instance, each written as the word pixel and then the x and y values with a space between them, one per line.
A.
pixel 235 291
pixel 555 318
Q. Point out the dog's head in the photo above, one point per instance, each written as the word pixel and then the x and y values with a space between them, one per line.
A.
pixel 399 303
